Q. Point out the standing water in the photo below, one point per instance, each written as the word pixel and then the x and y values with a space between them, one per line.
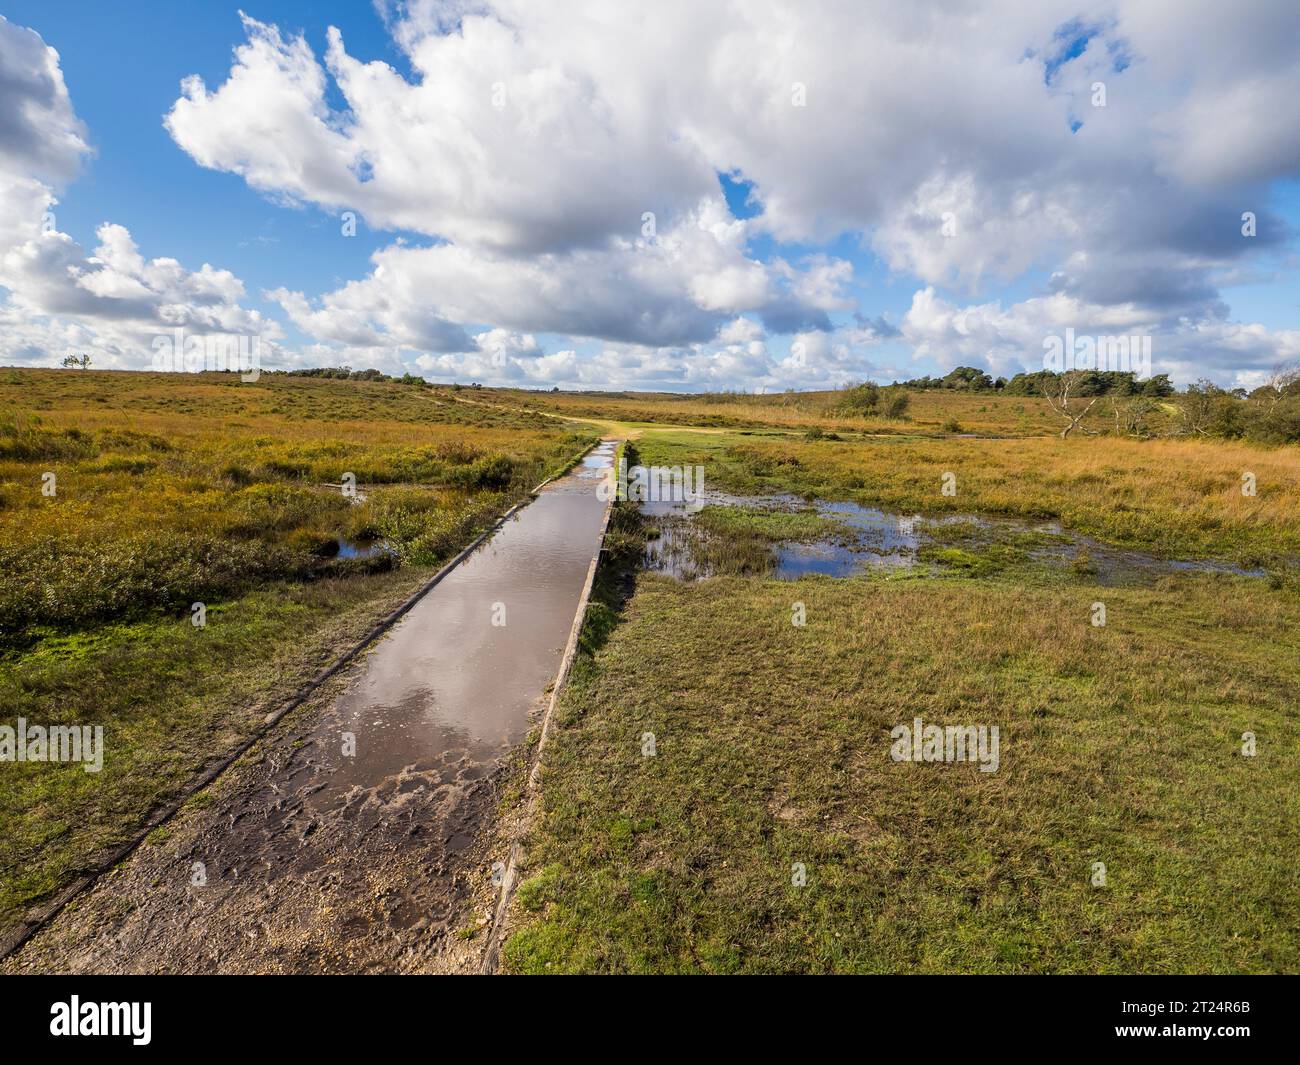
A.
pixel 450 688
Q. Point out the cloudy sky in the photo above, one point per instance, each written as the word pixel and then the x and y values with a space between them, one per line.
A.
pixel 666 195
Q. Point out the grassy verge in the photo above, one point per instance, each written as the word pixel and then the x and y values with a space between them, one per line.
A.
pixel 1120 744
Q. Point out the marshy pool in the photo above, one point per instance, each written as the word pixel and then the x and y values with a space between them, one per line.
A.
pixel 862 539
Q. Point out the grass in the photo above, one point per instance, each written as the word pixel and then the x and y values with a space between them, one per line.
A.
pixel 173 489
pixel 170 698
pixel 931 413
pixel 1119 744
pixel 802 526
pixel 740 540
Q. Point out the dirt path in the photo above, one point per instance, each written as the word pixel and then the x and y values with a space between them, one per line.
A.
pixel 350 839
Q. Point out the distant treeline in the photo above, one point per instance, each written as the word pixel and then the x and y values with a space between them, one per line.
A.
pixel 346 373
pixel 1089 383
pixel 1267 414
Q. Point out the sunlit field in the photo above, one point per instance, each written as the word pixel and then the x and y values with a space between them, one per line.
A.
pixel 1173 497
pixel 1119 746
pixel 1122 743
pixel 930 413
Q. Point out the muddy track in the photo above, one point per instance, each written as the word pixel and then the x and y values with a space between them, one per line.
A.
pixel 263 876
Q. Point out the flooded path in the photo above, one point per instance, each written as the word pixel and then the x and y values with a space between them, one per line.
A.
pixel 449 689
pixel 342 843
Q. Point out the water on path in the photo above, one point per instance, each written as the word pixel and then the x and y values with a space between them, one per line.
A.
pixel 343 843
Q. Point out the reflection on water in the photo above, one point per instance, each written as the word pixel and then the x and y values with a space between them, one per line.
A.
pixel 362 549
pixel 881 539
pixel 450 687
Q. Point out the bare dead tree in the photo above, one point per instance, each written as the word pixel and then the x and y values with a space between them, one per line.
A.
pixel 1058 398
pixel 1284 380
pixel 1131 416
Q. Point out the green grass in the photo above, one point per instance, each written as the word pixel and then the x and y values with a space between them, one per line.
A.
pixel 740 540
pixel 803 526
pixel 1119 744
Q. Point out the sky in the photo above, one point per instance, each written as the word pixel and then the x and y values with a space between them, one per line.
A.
pixel 742 195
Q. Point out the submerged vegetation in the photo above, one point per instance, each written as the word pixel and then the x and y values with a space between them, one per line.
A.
pixel 1172 498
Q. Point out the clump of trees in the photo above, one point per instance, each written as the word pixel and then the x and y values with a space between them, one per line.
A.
pixel 1089 383
pixel 346 373
pixel 1084 383
pixel 1269 414
pixel 962 379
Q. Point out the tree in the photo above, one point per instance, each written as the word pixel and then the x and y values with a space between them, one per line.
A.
pixel 1284 381
pixel 967 377
pixel 1131 415
pixel 81 361
pixel 1158 386
pixel 1198 408
pixel 1058 396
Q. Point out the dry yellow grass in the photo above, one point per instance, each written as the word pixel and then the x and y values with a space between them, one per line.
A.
pixel 982 413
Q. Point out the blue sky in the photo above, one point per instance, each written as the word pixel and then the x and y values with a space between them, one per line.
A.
pixel 140 178
pixel 840 204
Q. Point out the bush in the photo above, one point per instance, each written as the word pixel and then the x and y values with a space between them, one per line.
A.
pixel 59 585
pixel 895 403
pixel 860 399
pixel 30 442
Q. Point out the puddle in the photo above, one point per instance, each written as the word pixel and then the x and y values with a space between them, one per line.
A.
pixel 879 539
pixel 451 685
pixel 362 549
